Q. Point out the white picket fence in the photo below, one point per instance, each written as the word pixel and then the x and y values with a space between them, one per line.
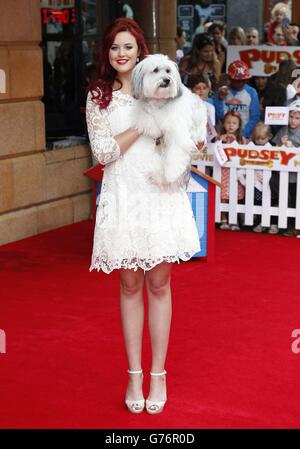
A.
pixel 282 211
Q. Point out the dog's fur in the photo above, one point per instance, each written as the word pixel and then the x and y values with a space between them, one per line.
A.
pixel 166 108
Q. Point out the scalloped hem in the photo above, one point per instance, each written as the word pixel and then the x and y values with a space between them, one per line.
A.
pixel 108 266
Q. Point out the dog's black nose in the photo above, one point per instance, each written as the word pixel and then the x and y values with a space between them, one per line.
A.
pixel 166 81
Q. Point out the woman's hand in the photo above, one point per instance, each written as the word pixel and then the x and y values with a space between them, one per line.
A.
pixel 145 124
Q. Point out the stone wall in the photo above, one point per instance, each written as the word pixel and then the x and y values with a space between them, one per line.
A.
pixel 39 190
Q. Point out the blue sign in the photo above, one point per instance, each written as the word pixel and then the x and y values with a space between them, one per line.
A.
pixel 199 203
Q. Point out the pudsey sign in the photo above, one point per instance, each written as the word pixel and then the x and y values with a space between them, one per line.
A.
pixel 262 60
pixel 276 115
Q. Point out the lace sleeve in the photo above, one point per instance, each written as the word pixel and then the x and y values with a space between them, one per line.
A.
pixel 104 147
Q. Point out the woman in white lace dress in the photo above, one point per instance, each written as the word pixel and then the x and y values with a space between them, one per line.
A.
pixel 140 228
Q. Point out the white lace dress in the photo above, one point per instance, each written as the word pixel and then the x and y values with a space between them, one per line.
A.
pixel 138 224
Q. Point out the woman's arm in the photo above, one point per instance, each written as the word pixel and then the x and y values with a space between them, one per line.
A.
pixel 105 147
pixel 217 69
pixel 126 139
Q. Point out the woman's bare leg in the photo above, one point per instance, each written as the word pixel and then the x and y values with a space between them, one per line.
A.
pixel 132 317
pixel 160 311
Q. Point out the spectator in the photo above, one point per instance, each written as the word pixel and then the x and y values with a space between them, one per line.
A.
pixel 292 36
pixel 201 59
pixel 278 36
pixel 231 132
pixel 216 30
pixel 285 76
pixel 274 95
pixel 239 97
pixel 180 42
pixel 261 136
pixel 237 36
pixel 252 36
pixel 289 136
pixel 260 84
pixel 279 16
pixel 294 90
pixel 201 86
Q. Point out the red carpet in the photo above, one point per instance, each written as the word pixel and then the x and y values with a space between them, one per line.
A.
pixel 230 362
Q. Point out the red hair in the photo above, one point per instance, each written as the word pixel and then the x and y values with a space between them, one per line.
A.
pixel 101 89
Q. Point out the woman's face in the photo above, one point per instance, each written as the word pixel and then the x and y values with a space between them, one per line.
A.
pixel 294 31
pixel 235 40
pixel 261 82
pixel 124 52
pixel 231 124
pixel 206 53
pixel 217 35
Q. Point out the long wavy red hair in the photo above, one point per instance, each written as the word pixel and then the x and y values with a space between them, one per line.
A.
pixel 101 88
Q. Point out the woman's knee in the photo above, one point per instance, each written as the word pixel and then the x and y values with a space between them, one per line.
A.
pixel 158 286
pixel 131 283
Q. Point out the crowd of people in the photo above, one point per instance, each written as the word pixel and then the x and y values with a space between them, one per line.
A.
pixel 236 101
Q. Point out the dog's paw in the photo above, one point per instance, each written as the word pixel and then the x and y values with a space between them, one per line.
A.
pixel 156 178
pixel 145 124
pixel 173 173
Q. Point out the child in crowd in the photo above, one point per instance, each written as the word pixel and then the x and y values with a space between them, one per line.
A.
pixel 239 97
pixel 261 136
pixel 231 132
pixel 200 85
pixel 289 136
pixel 279 16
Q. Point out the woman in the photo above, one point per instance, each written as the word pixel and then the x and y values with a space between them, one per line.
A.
pixel 216 30
pixel 201 58
pixel 180 43
pixel 278 37
pixel 140 228
pixel 237 36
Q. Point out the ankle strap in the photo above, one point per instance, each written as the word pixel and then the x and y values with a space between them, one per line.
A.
pixel 135 372
pixel 159 374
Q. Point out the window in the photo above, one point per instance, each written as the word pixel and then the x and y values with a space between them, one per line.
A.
pixel 192 15
pixel 69 37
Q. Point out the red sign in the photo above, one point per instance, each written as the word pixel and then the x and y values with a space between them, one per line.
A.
pixel 63 16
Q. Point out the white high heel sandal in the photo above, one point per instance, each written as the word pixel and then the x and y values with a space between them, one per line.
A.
pixel 135 406
pixel 154 407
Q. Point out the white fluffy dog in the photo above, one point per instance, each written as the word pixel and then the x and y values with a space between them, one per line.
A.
pixel 166 108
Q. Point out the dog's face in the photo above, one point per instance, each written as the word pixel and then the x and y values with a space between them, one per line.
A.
pixel 156 77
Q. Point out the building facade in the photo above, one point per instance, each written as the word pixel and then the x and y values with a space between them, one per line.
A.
pixel 48 55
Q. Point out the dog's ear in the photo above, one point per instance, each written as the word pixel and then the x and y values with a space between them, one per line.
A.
pixel 177 79
pixel 137 80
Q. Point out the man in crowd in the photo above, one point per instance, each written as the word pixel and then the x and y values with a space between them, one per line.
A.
pixel 252 36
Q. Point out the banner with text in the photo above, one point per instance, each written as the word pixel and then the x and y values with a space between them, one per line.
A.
pixel 262 60
pixel 254 156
